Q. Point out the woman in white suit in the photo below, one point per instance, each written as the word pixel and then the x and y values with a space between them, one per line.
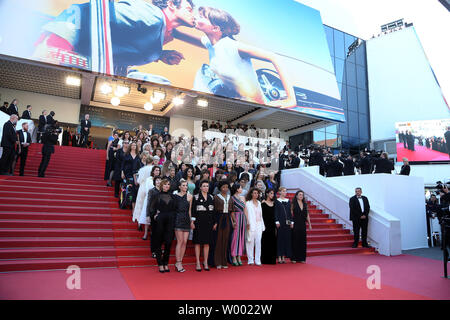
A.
pixel 143 174
pixel 255 228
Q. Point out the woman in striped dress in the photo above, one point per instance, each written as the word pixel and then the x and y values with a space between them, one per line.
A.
pixel 239 232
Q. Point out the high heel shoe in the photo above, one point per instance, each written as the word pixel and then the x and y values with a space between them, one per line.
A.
pixel 162 271
pixel 178 269
pixel 239 262
pixel 205 268
pixel 198 269
pixel 166 270
pixel 235 264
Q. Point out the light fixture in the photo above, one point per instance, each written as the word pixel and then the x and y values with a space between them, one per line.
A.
pixel 106 88
pixel 115 101
pixel 73 81
pixel 159 95
pixel 178 101
pixel 155 100
pixel 122 90
pixel 141 89
pixel 202 103
pixel 148 106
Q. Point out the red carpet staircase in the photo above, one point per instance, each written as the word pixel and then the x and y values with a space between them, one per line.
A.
pixel 71 218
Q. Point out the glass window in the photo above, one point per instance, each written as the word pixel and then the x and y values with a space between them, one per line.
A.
pixel 351 73
pixel 348 39
pixel 329 33
pixel 353 127
pixel 332 140
pixel 343 127
pixel 363 103
pixel 361 55
pixel 352 99
pixel 361 77
pixel 339 45
pixel 332 129
pixel 343 96
pixel 319 137
pixel 339 68
pixel 364 128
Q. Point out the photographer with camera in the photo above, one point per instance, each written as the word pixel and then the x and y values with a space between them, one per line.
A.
pixel 365 163
pixel 383 164
pixel 49 140
pixel 349 166
pixel 334 168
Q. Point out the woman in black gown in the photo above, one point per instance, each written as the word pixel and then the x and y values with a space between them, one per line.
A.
pixel 130 165
pixel 203 215
pixel 163 211
pixel 269 237
pixel 284 224
pixel 117 175
pixel 300 216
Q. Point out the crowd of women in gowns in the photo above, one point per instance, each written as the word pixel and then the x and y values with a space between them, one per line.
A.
pixel 225 227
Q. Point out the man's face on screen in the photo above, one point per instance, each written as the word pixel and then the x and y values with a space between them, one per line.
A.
pixel 185 14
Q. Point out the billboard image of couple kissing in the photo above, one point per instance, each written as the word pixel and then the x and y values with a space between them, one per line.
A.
pixel 273 53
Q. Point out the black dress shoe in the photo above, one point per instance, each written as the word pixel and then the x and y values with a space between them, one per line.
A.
pixel 355 245
pixel 366 245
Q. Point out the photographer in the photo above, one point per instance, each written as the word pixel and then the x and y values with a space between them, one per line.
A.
pixel 365 163
pixel 334 168
pixel 383 164
pixel 49 139
pixel 349 166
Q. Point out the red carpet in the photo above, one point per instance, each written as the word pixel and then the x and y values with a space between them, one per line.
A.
pixel 420 154
pixel 339 277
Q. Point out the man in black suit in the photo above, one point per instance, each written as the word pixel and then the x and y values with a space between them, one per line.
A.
pixel 41 125
pixel 334 168
pixel 9 139
pixel 24 142
pixel 365 163
pixel 27 113
pixel 13 109
pixel 447 140
pixel 349 166
pixel 383 164
pixel 294 161
pixel 85 130
pixel 50 119
pixel 49 139
pixel 4 107
pixel 359 215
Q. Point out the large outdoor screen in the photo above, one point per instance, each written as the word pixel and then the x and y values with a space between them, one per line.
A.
pixel 271 52
pixel 423 140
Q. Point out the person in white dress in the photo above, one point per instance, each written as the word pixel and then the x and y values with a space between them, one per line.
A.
pixel 256 227
pixel 147 186
pixel 143 174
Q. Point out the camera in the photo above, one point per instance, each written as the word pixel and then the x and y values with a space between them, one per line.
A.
pixel 440 186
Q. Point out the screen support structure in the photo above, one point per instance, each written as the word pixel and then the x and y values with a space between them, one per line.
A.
pixel 101 45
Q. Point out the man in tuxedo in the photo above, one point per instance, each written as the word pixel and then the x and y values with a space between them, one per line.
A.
pixel 50 119
pixel 49 139
pixel 447 140
pixel 165 134
pixel 24 142
pixel 41 125
pixel 349 166
pixel 27 113
pixel 4 107
pixel 359 215
pixel 85 130
pixel 8 143
pixel 150 130
pixel 334 168
pixel 13 109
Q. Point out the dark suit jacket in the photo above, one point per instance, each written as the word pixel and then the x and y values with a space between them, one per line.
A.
pixel 26 115
pixel 9 136
pixel 4 109
pixel 405 170
pixel 13 110
pixel 50 120
pixel 21 137
pixel 365 165
pixel 383 166
pixel 84 125
pixel 355 208
pixel 42 122
pixel 49 140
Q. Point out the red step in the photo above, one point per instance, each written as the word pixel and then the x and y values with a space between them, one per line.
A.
pixel 56 264
pixel 333 251
pixel 24 242
pixel 63 216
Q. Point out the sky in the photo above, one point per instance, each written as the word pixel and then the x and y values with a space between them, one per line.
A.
pixel 363 18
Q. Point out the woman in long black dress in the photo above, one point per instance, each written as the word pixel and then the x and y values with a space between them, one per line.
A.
pixel 163 210
pixel 300 216
pixel 203 215
pixel 130 165
pixel 269 236
pixel 284 224
pixel 117 175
